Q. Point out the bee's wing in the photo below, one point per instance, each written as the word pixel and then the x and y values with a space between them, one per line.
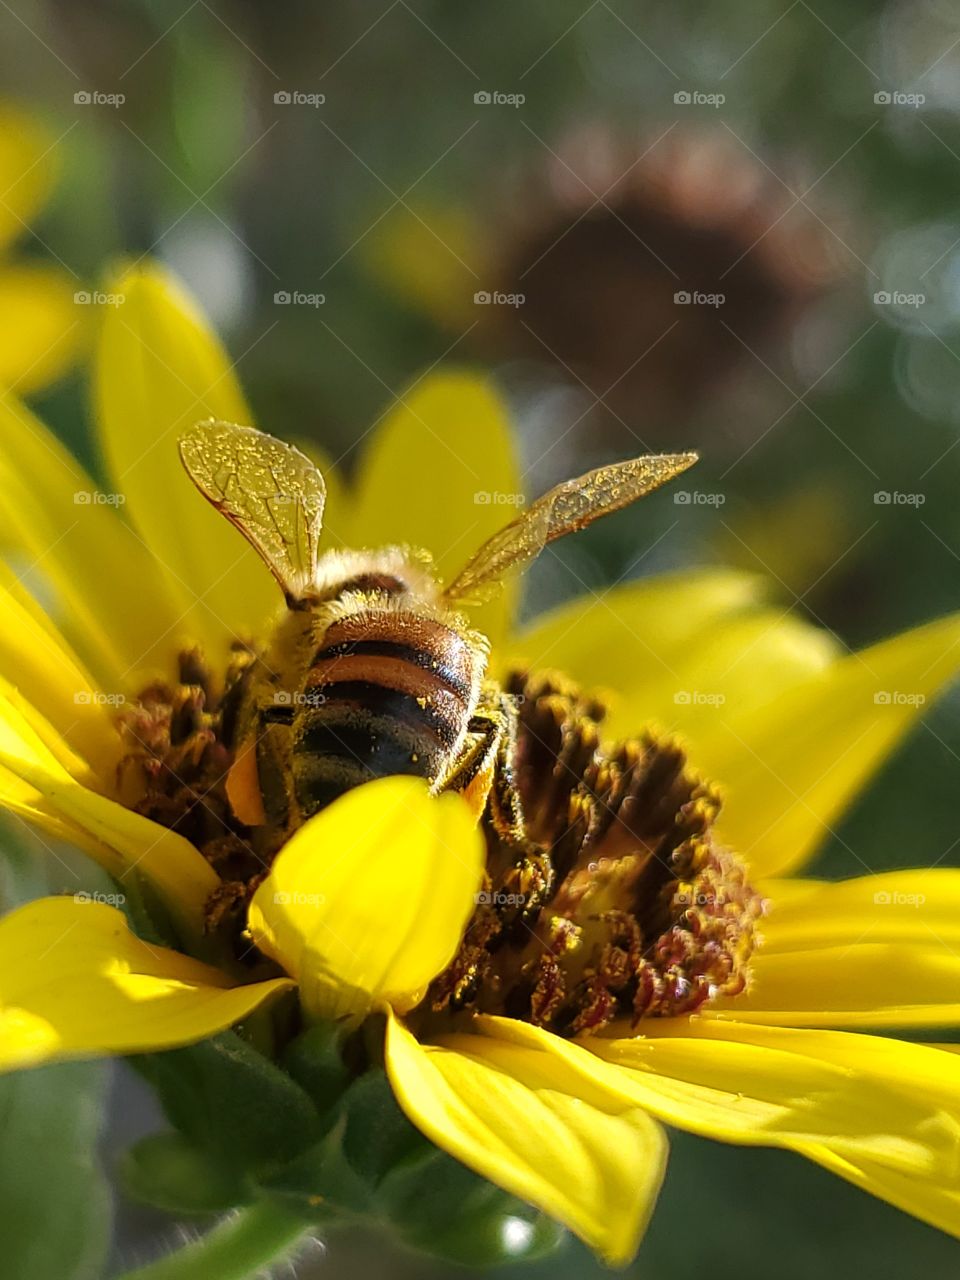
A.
pixel 269 490
pixel 565 509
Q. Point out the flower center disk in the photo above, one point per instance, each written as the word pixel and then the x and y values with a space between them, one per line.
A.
pixel 617 902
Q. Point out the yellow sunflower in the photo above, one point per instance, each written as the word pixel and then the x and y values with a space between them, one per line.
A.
pixel 373 904
pixel 41 325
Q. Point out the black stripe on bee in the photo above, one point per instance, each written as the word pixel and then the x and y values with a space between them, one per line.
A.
pixel 345 745
pixel 421 658
pixel 378 702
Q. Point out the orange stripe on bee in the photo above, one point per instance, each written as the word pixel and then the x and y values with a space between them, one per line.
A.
pixel 422 642
pixel 390 673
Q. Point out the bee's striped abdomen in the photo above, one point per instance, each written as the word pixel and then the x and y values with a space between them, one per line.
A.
pixel 386 693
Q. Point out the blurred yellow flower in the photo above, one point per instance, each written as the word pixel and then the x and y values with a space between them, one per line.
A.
pixel 367 904
pixel 41 327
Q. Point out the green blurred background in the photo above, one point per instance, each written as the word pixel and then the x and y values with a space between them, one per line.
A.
pixel 795 168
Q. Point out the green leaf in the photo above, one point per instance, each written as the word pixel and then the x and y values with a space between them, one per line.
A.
pixel 54 1202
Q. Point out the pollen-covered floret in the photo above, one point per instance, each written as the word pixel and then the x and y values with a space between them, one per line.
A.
pixel 628 907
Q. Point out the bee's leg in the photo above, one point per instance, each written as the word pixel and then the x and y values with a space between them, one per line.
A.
pixel 472 775
pixel 506 808
pixel 519 877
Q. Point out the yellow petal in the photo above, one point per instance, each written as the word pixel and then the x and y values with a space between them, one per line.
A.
pixel 76 982
pixel 440 473
pixel 918 1071
pixel 42 329
pixel 636 625
pixel 124 840
pixel 53 521
pixel 49 676
pixel 786 1091
pixel 159 370
pixel 916 906
pixel 856 984
pixel 790 768
pixel 677 651
pixel 369 899
pixel 927 1199
pixel 28 155
pixel 876 951
pixel 507 1111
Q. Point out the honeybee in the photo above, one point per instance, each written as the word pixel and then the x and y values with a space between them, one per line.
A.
pixel 372 668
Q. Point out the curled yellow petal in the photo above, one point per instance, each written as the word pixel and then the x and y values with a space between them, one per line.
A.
pixel 369 899
pixel 508 1111
pixel 76 982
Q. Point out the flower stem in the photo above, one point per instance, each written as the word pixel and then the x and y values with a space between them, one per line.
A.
pixel 236 1248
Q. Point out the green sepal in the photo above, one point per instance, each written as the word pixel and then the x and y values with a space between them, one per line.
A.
pixel 368 1136
pixel 315 1061
pixel 373 1163
pixel 441 1208
pixel 233 1104
pixel 167 1172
